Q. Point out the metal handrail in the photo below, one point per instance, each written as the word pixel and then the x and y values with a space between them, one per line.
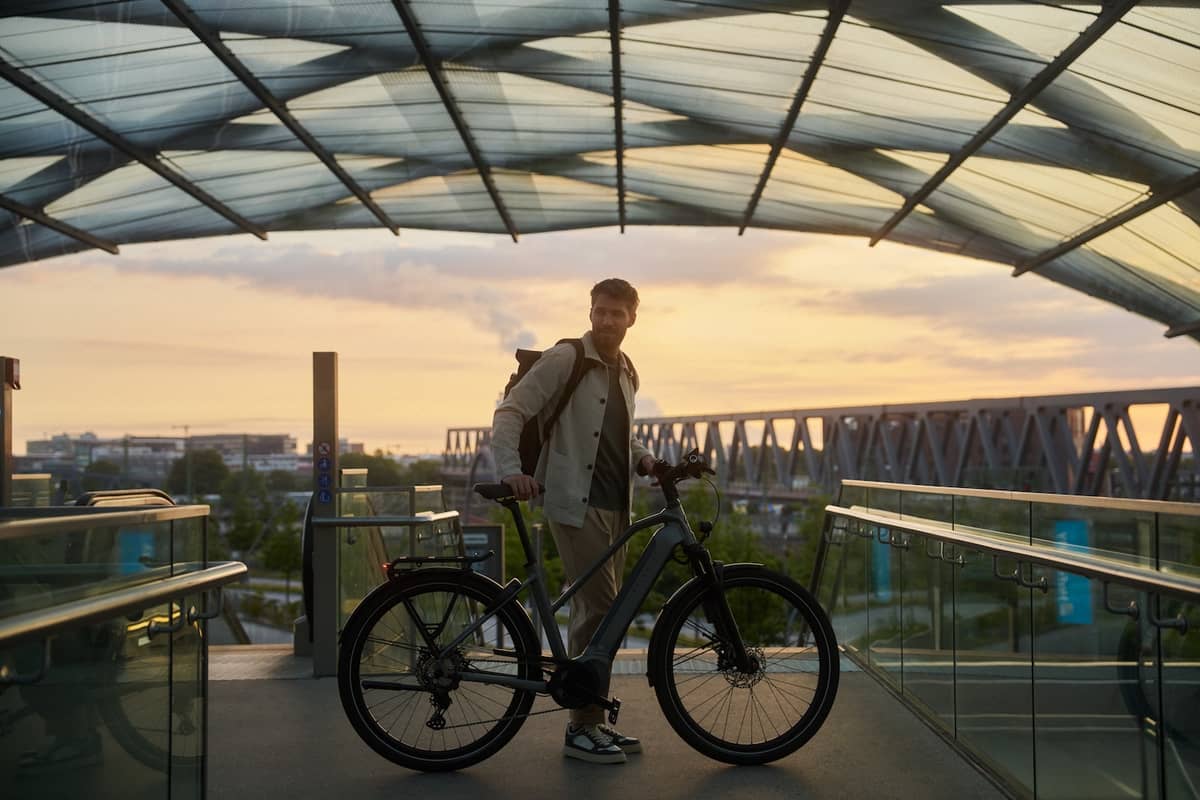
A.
pixel 1091 566
pixel 47 621
pixel 46 526
pixel 1081 501
pixel 422 518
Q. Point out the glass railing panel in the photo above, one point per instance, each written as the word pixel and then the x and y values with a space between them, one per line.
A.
pixel 1089 736
pixel 928 629
pixel 31 490
pixel 993 514
pixel 428 498
pixel 886 590
pixel 39 570
pixel 1181 698
pixel 927 507
pixel 188 701
pixel 1115 533
pixel 844 588
pixel 189 544
pixel 96 724
pixel 1179 544
pixel 364 550
pixel 852 496
pixel 883 501
pixel 994 695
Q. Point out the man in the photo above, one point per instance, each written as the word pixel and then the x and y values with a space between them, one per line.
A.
pixel 586 464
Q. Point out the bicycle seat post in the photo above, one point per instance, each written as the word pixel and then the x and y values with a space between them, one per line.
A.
pixel 514 507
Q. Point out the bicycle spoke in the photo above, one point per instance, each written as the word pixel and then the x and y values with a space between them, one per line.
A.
pixel 755 710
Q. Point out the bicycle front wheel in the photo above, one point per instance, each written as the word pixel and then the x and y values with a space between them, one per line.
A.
pixel 403 690
pixel 754 715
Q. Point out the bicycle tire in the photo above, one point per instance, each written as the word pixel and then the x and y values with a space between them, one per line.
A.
pixel 702 695
pixel 381 643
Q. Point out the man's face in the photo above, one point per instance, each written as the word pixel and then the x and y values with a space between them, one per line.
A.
pixel 610 319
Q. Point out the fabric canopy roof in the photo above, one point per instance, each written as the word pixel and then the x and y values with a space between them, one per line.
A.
pixel 1062 139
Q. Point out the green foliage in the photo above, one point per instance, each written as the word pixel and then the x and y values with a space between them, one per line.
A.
pixel 267 611
pixel 101 475
pixel 281 550
pixel 383 471
pixel 245 499
pixel 208 473
pixel 514 554
pixel 282 480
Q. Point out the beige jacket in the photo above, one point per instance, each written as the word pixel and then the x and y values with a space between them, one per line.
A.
pixel 565 464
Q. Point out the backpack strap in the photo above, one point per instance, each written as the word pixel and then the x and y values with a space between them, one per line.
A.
pixel 580 367
pixel 637 382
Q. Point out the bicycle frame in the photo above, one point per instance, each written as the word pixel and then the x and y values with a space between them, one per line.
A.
pixel 603 646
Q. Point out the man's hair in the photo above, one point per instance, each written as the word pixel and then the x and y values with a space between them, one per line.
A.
pixel 620 289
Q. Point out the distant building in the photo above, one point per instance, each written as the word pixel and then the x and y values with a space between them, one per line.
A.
pixel 148 459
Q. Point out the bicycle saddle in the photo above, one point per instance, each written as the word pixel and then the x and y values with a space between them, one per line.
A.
pixel 492 491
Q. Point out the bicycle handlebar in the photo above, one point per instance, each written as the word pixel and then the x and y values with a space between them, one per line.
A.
pixel 693 465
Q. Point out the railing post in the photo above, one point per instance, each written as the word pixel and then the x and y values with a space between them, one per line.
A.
pixel 325 549
pixel 10 379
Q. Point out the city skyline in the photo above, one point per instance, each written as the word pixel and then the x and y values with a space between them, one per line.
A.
pixel 217 334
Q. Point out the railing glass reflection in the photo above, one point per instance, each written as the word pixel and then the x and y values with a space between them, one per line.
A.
pixel 103 653
pixel 1058 676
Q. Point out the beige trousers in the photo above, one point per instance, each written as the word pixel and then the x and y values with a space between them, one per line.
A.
pixel 579 548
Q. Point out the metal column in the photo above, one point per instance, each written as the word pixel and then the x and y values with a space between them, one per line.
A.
pixel 10 380
pixel 325 551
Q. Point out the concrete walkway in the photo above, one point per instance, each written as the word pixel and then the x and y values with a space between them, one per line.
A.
pixel 285 737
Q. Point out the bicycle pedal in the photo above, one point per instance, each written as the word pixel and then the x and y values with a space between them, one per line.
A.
pixel 614 709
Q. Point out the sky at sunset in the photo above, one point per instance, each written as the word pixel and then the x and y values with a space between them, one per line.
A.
pixel 217 334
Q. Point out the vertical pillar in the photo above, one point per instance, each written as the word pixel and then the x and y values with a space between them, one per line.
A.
pixel 324 550
pixel 10 380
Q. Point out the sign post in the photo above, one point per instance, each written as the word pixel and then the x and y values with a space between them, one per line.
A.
pixel 324 504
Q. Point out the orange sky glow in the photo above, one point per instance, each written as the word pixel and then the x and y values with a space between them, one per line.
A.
pixel 217 334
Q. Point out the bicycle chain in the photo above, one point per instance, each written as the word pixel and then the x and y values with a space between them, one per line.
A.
pixel 501 719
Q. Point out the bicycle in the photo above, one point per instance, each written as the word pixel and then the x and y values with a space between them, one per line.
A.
pixel 438 667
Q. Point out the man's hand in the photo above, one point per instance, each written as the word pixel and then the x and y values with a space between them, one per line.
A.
pixel 524 486
pixel 646 465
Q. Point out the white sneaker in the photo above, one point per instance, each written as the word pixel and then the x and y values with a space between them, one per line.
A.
pixel 628 744
pixel 590 743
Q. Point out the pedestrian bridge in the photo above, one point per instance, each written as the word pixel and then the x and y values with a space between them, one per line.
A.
pixel 1123 443
pixel 993 643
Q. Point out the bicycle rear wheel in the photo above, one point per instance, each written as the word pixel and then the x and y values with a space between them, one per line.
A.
pixel 760 714
pixel 409 703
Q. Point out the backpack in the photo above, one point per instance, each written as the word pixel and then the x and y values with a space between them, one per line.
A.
pixel 533 436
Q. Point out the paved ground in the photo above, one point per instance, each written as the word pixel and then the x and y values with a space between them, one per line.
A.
pixel 274 738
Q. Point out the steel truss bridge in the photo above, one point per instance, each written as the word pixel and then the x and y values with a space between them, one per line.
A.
pixel 1137 443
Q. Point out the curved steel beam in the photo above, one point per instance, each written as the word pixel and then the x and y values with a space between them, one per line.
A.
pixel 64 228
pixel 1160 196
pixel 1109 17
pixel 213 42
pixel 837 10
pixel 433 66
pixel 614 38
pixel 115 140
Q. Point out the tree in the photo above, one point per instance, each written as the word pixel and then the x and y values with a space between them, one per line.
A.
pixel 425 471
pixel 281 552
pixel 281 480
pixel 208 473
pixel 101 475
pixel 381 471
pixel 244 498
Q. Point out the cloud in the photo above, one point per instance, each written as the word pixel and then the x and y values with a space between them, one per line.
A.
pixel 494 284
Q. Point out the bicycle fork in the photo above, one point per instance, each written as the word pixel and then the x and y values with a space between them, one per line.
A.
pixel 731 650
